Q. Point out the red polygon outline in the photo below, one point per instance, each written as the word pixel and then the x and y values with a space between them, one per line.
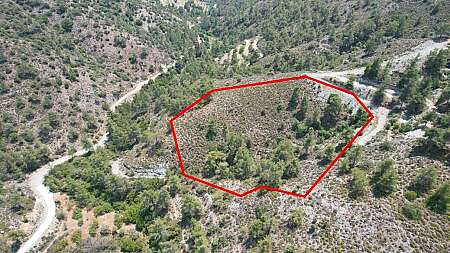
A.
pixel 264 187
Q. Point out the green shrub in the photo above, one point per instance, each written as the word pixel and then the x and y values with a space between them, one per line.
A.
pixel 44 132
pixel 133 58
pixel 71 74
pixel 60 215
pixel 425 180
pixel 27 135
pixel 120 41
pixel 440 200
pixel 59 246
pixel 300 129
pixel 143 54
pixel 3 88
pixel 13 137
pixel 191 208
pixel 3 58
pixel 215 163
pixel 26 71
pixel 328 154
pixel 47 103
pixel 345 168
pixel 20 104
pixel 410 195
pixel 412 212
pixel 265 245
pixel 244 166
pixel 72 135
pixel 385 179
pixel 359 185
pixel 296 217
pixel 261 227
pixel 354 155
pixel 164 235
pixel 131 213
pixel 211 132
pixel 77 214
pixel 284 151
pixel 386 146
pixel 271 173
pixel 93 228
pixel 199 241
pixel 289 168
pixel 76 237
pixel 131 244
pixel 67 25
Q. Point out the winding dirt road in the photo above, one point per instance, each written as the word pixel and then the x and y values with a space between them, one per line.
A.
pixel 398 64
pixel 45 203
pixel 44 197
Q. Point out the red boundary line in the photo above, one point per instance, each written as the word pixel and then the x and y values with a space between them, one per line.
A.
pixel 264 187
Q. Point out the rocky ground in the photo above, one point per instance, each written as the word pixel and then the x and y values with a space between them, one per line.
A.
pixel 332 218
pixel 261 115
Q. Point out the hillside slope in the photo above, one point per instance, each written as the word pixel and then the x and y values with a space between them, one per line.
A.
pixel 64 62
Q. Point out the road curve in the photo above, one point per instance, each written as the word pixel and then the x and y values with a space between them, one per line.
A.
pixel 42 193
pixel 45 197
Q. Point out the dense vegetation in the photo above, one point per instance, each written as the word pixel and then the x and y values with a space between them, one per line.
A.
pixel 309 34
pixel 45 56
pixel 62 62
pixel 142 202
pixel 414 86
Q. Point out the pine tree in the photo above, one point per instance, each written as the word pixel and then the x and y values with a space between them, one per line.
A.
pixel 164 235
pixel 439 202
pixel 199 242
pixel 303 112
pixel 270 174
pixel 284 151
pixel 244 165
pixel 293 102
pixel 409 81
pixel 385 179
pixel 215 162
pixel 191 209
pixel 436 61
pixel 379 95
pixel 314 120
pixel 308 143
pixel 425 180
pixel 359 185
pixel 373 71
pixel 332 112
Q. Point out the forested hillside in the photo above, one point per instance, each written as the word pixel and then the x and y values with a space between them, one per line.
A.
pixel 64 62
pixel 311 35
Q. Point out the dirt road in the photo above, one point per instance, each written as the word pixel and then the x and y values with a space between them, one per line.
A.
pixel 45 204
pixel 399 63
pixel 44 197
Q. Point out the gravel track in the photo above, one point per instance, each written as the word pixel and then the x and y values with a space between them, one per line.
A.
pixel 45 204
